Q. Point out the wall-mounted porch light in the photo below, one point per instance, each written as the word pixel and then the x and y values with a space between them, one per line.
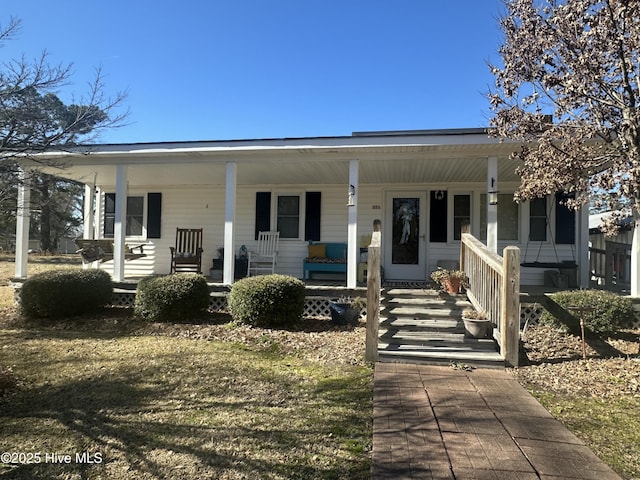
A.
pixel 493 193
pixel 350 196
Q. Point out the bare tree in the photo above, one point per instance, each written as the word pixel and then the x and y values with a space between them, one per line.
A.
pixel 568 89
pixel 34 120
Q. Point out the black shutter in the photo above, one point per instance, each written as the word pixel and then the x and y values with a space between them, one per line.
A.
pixel 438 216
pixel 263 212
pixel 154 215
pixel 312 216
pixel 565 221
pixel 109 214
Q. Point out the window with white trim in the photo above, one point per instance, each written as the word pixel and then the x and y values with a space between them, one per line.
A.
pixel 141 220
pixel 461 214
pixel 288 216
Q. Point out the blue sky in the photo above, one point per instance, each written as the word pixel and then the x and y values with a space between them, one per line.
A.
pixel 209 70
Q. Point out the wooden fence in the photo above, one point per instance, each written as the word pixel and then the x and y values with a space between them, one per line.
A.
pixel 494 287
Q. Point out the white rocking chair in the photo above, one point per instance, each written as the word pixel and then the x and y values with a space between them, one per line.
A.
pixel 263 260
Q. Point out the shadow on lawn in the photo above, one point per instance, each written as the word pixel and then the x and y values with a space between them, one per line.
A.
pixel 80 409
pixel 143 426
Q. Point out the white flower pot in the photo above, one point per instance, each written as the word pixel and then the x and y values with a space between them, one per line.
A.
pixel 477 328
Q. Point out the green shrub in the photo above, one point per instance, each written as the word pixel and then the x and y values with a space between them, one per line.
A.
pixel 267 300
pixel 610 311
pixel 62 293
pixel 180 296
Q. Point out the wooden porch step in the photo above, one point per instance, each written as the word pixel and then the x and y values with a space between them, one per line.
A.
pixel 422 355
pixel 420 314
pixel 421 304
pixel 444 324
pixel 437 340
pixel 424 326
pixel 410 292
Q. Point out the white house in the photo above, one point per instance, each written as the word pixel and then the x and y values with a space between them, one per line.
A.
pixel 422 185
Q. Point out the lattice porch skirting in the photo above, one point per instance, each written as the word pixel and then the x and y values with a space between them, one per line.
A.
pixel 530 313
pixel 314 306
pixel 318 307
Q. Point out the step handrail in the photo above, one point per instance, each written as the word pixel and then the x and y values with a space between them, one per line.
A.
pixel 494 287
pixel 374 281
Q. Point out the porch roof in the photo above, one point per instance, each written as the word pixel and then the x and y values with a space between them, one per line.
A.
pixel 434 156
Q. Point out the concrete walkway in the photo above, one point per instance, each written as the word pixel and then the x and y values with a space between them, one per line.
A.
pixel 440 423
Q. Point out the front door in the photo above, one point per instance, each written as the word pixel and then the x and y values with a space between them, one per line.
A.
pixel 405 244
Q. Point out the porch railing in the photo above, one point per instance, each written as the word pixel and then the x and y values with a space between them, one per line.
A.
pixel 612 265
pixel 494 287
pixel 373 293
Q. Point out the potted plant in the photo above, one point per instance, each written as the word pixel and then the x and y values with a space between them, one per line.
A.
pixel 449 280
pixel 346 311
pixel 476 323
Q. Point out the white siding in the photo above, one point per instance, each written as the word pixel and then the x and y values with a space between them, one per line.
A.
pixel 203 207
pixel 333 222
pixel 181 208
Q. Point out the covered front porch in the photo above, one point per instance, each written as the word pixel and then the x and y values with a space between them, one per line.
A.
pixel 421 185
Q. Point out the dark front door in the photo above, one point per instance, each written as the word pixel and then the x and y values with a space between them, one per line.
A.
pixel 405 230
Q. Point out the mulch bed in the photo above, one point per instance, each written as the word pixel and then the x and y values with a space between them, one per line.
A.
pixel 310 338
pixel 555 364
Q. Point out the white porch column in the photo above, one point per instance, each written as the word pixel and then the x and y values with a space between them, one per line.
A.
pixel 89 230
pixel 120 227
pixel 635 258
pixel 492 210
pixel 23 213
pixel 98 217
pixel 229 219
pixel 353 246
pixel 582 240
pixel 89 201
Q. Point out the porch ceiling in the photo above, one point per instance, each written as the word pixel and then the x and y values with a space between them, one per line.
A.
pixel 404 164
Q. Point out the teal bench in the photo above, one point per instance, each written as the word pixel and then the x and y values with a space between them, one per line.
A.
pixel 325 257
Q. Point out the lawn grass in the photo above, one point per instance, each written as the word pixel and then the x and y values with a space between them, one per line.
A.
pixel 157 406
pixel 169 407
pixel 609 426
pixel 597 399
pixel 36 264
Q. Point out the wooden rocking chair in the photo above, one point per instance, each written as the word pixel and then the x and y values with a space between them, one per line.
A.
pixel 186 256
pixel 263 260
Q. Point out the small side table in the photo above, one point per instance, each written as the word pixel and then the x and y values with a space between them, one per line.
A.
pixel 240 268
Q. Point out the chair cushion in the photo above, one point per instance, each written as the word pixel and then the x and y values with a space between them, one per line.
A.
pixel 184 255
pixel 317 251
